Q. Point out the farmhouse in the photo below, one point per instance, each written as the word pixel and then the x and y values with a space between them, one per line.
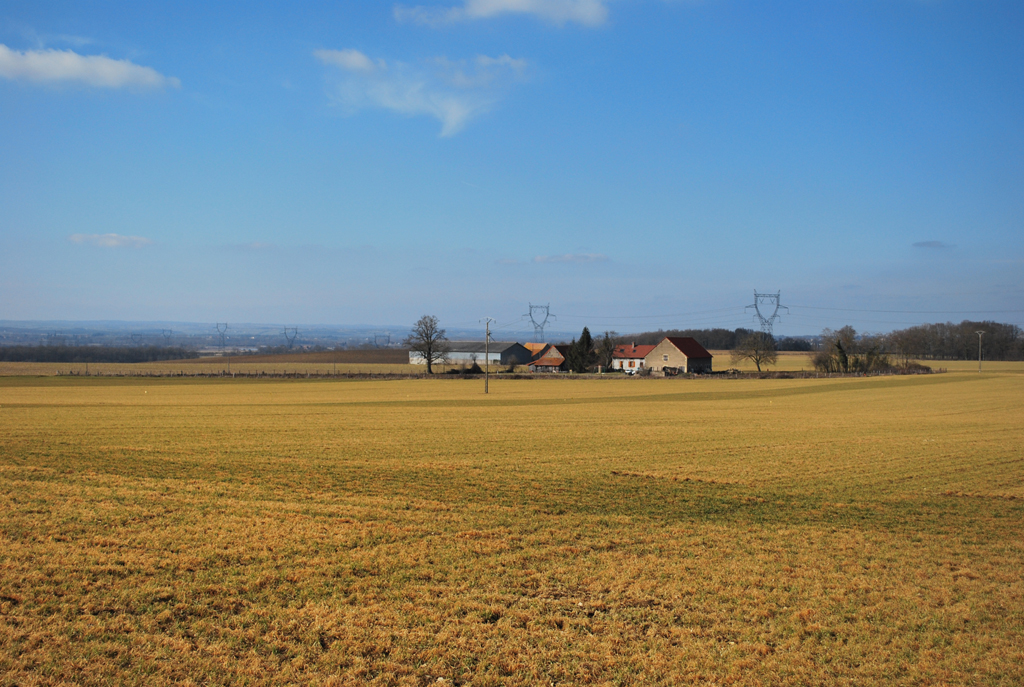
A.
pixel 629 357
pixel 469 352
pixel 678 354
pixel 550 358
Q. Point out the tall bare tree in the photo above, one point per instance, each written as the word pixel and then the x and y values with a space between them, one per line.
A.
pixel 606 350
pixel 758 347
pixel 429 340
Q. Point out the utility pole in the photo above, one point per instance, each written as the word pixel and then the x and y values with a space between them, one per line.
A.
pixel 487 352
pixel 979 349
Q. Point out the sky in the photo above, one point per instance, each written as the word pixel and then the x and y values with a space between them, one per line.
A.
pixel 636 164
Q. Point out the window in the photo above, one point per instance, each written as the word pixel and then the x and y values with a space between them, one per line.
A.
pixel 665 357
pixel 632 363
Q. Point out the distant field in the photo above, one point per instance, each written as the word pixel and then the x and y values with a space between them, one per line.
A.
pixel 792 361
pixel 789 361
pixel 377 356
pixel 757 532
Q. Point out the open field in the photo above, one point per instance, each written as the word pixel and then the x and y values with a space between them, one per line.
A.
pixel 789 361
pixel 785 532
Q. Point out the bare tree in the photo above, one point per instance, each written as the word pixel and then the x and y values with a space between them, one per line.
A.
pixel 429 340
pixel 606 350
pixel 842 350
pixel 757 347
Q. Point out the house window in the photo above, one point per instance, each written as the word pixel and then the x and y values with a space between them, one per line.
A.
pixel 632 363
pixel 665 357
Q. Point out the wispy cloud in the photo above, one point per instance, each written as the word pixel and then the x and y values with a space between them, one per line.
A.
pixel 67 66
pixel 932 244
pixel 110 240
pixel 42 40
pixel 572 257
pixel 558 12
pixel 351 60
pixel 451 91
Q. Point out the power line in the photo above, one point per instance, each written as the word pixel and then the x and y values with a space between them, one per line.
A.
pixel 654 317
pixel 914 312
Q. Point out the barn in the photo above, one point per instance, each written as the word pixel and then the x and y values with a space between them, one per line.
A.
pixel 550 358
pixel 469 352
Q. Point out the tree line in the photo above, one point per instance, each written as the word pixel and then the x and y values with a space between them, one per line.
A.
pixel 717 339
pixel 948 341
pixel 93 354
pixel 843 350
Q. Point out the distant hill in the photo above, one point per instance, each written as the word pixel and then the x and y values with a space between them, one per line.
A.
pixel 94 354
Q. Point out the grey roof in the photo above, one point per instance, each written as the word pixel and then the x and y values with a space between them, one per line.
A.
pixel 478 346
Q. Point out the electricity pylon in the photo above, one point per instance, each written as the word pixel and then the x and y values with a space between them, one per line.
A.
pixel 538 327
pixel 767 301
pixel 294 335
pixel 222 329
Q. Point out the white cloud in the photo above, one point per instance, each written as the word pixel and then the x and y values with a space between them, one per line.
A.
pixel 352 60
pixel 56 66
pixel 110 240
pixel 559 12
pixel 572 257
pixel 451 91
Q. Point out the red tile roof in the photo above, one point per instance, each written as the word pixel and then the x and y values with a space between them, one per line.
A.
pixel 630 351
pixel 688 346
pixel 550 353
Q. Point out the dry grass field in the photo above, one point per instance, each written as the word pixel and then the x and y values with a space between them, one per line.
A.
pixel 623 532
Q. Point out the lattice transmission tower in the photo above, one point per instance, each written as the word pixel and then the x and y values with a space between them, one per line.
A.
pixel 538 327
pixel 222 329
pixel 384 338
pixel 290 337
pixel 763 303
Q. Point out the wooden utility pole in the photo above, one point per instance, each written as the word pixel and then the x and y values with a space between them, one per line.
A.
pixel 487 352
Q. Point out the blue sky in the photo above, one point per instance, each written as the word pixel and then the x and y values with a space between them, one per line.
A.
pixel 636 163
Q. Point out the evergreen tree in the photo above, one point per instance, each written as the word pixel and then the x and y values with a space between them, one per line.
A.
pixel 572 357
pixel 581 353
